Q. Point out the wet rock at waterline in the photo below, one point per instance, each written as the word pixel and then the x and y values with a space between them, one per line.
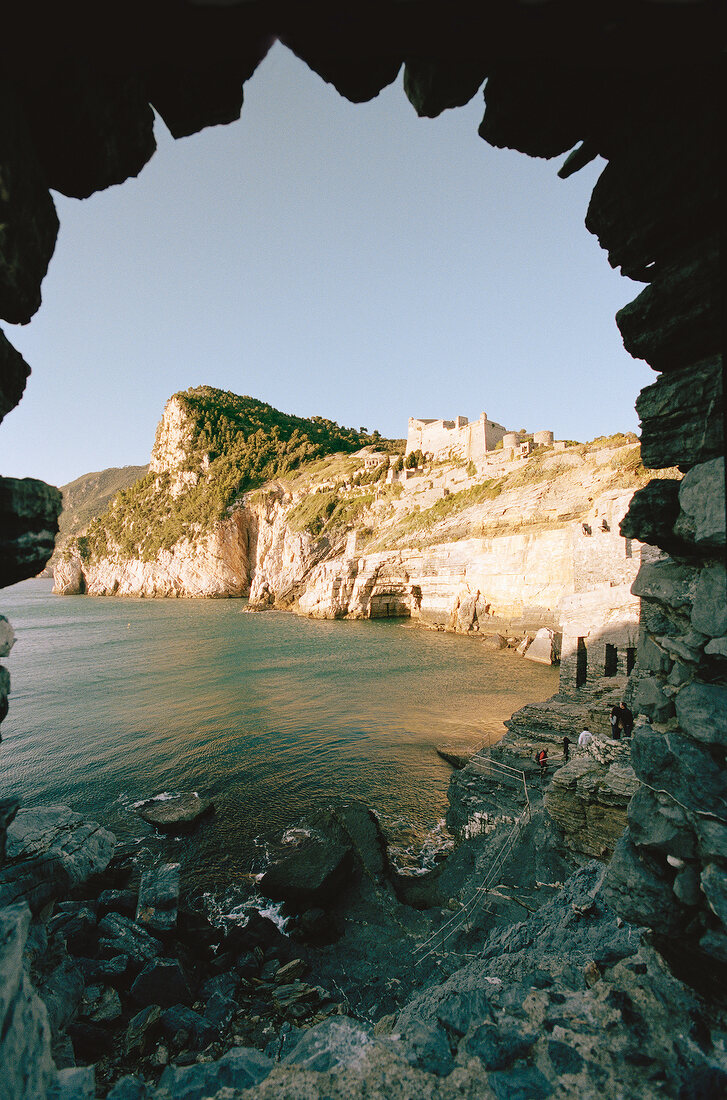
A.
pixel 175 813
pixel 457 760
pixel 159 898
pixel 544 648
pixel 309 876
pixel 335 843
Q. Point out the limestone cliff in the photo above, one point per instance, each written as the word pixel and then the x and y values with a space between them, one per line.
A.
pixel 508 545
pixel 453 548
pixel 217 564
pixel 181 529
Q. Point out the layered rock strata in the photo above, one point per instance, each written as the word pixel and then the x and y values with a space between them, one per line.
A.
pixel 526 560
pixel 47 852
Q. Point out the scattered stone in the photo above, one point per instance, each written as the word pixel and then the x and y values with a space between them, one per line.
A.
pixel 78 929
pixel 714 885
pixel 526 1083
pixel 338 1041
pixel 180 1018
pixel 160 1057
pixel 544 648
pixel 240 1068
pixel 49 850
pixel 176 813
pixel 90 1041
pixel 142 1030
pixel 285 996
pixel 224 984
pixel 498 1048
pixel 313 874
pixel 25 1056
pixel 121 936
pixel 101 971
pixel 117 901
pixel 74 1083
pixel 269 970
pixel 427 1046
pixel 100 1005
pixel 129 1088
pixel 317 925
pixel 564 1058
pixel 296 968
pixel 61 992
pixel 159 898
pixel 161 982
pixel 219 1012
pixel 591 973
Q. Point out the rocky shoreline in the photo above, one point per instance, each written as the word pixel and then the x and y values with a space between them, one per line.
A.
pixel 502 972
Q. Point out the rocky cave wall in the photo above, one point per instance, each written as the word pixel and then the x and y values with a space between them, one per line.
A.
pixel 638 85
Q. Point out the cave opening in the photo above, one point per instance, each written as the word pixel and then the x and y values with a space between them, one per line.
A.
pixel 655 211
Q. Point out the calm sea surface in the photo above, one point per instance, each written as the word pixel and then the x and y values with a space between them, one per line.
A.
pixel 117 700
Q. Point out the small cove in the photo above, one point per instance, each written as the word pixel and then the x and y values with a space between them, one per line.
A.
pixel 271 715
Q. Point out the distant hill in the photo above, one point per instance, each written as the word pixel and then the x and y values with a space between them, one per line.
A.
pixel 89 495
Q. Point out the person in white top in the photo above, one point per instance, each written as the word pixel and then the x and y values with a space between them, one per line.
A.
pixel 585 738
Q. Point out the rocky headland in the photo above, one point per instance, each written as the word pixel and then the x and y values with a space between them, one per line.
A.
pixel 518 541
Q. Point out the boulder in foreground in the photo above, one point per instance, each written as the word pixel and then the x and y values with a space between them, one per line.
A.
pixel 49 850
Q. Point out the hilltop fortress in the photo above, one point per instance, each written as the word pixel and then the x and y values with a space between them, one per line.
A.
pixel 474 440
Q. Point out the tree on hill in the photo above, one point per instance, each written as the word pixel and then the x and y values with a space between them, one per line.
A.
pixel 236 444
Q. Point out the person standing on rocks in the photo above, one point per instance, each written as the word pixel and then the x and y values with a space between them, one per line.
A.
pixel 616 723
pixel 566 749
pixel 627 719
pixel 543 761
pixel 585 739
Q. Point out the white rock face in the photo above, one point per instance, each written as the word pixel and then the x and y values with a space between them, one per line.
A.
pixel 173 439
pixel 218 565
pixel 500 560
pixel 172 449
pixel 463 584
pixel 68 579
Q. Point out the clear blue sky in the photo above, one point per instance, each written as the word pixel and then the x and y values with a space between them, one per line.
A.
pixel 351 261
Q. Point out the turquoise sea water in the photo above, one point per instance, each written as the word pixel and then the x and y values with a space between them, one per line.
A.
pixel 117 700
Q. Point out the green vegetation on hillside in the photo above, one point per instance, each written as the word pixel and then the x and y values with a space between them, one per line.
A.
pixel 87 496
pixel 236 444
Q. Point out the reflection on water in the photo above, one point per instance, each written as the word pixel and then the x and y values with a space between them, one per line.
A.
pixel 116 700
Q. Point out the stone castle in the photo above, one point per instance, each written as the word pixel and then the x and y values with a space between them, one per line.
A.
pixel 461 438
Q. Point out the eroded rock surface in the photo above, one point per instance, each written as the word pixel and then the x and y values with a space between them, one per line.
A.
pixel 48 851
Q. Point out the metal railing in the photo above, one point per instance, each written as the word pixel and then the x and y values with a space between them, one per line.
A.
pixel 436 941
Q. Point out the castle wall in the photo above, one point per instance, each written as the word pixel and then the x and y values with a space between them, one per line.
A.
pixel 456 438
